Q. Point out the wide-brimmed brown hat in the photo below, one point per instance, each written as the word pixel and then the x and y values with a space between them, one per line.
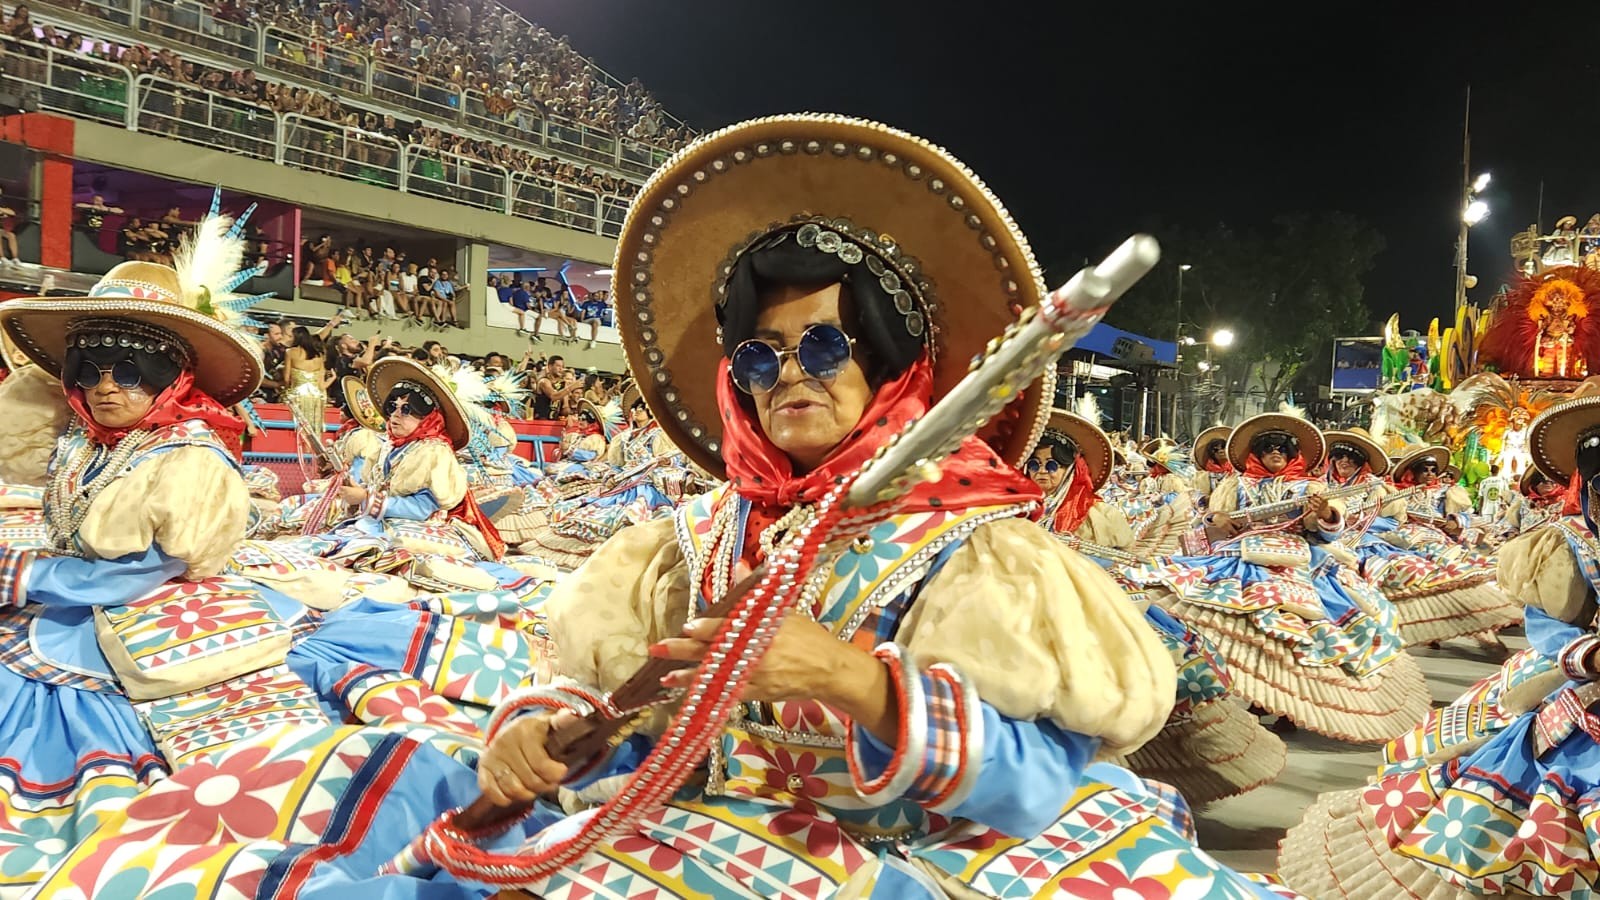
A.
pixel 1361 440
pixel 360 403
pixel 1413 455
pixel 1567 222
pixel 630 396
pixel 1094 448
pixel 1553 435
pixel 226 362
pixel 383 375
pixel 896 196
pixel 1312 449
pixel 1204 439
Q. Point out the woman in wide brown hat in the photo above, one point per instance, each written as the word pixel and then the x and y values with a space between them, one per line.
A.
pixel 1305 638
pixel 143 498
pixel 793 292
pixel 1210 746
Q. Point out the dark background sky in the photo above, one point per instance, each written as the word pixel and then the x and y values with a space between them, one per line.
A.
pixel 1092 120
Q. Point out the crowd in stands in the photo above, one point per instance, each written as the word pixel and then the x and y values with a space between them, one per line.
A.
pixel 550 298
pixel 342 354
pixel 387 285
pixel 516 65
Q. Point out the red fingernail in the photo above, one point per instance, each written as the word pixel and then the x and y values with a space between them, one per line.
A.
pixel 657 650
pixel 669 680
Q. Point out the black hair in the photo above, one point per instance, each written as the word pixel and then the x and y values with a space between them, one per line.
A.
pixel 305 340
pixel 869 315
pixel 1062 448
pixel 417 401
pixel 156 370
pixel 420 355
pixel 1588 458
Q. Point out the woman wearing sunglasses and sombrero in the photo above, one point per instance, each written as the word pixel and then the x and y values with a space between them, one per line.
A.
pixel 1498 803
pixel 1435 599
pixel 1210 747
pixel 1305 638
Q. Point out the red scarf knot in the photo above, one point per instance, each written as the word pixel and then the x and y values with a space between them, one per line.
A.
pixel 180 402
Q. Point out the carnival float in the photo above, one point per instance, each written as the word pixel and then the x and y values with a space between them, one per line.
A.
pixel 1476 385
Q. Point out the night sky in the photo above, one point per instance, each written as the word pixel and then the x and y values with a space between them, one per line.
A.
pixel 1092 122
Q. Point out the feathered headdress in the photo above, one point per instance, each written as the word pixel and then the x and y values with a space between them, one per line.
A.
pixel 1088 406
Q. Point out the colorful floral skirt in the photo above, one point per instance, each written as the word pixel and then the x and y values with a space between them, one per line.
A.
pixel 1117 837
pixel 1315 644
pixel 1439 590
pixel 1211 746
pixel 1506 819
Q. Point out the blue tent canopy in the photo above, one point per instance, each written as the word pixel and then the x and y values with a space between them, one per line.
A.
pixel 1108 341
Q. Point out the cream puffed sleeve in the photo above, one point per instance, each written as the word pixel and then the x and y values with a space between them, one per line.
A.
pixel 1043 631
pixel 1539 569
pixel 634 590
pixel 1225 497
pixel 430 466
pixel 189 501
pixel 35 413
pixel 362 443
pixel 1106 525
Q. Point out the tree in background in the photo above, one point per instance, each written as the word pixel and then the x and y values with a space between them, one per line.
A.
pixel 1286 293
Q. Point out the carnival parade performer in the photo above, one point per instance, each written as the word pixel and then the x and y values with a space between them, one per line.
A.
pixel 1505 812
pixel 1304 636
pixel 1211 747
pixel 1210 456
pixel 1442 589
pixel 887 707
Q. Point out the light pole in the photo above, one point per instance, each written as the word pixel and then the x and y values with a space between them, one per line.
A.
pixel 1473 210
pixel 1177 352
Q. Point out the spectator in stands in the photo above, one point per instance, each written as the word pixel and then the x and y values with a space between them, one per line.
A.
pixel 557 392
pixel 435 350
pixel 594 312
pixel 273 347
pixel 353 288
pixel 347 355
pixel 593 390
pixel 522 302
pixel 8 235
pixel 444 297
pixel 92 215
pixel 315 256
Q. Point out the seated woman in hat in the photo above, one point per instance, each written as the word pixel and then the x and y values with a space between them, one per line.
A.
pixel 585 441
pixel 1211 462
pixel 1434 601
pixel 358 445
pixel 1210 747
pixel 1503 811
pixel 417 494
pixel 1305 638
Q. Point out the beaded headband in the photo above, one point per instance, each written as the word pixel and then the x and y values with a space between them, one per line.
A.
pixel 1346 447
pixel 110 332
pixel 898 274
pixel 1053 434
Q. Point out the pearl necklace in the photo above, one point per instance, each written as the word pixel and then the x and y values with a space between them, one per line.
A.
pixel 722 551
pixel 65 497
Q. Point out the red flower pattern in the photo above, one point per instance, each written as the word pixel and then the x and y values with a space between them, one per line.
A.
pixel 411 704
pixel 186 618
pixel 658 856
pixel 792 773
pixel 1107 882
pixel 805 821
pixel 1396 804
pixel 1545 834
pixel 801 715
pixel 218 802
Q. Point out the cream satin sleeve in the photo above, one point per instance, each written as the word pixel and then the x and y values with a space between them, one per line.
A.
pixel 1538 568
pixel 431 466
pixel 1106 525
pixel 35 413
pixel 1042 631
pixel 1225 498
pixel 1456 500
pixel 189 501
pixel 633 591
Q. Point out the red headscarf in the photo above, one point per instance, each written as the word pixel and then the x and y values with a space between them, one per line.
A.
pixel 1220 468
pixel 431 428
pixel 1255 470
pixel 1572 501
pixel 1075 505
pixel 1408 478
pixel 180 402
pixel 761 473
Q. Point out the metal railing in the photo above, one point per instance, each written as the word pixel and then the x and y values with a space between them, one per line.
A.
pixel 79 86
pixel 196 116
pixel 458 179
pixel 343 151
pixel 348 70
